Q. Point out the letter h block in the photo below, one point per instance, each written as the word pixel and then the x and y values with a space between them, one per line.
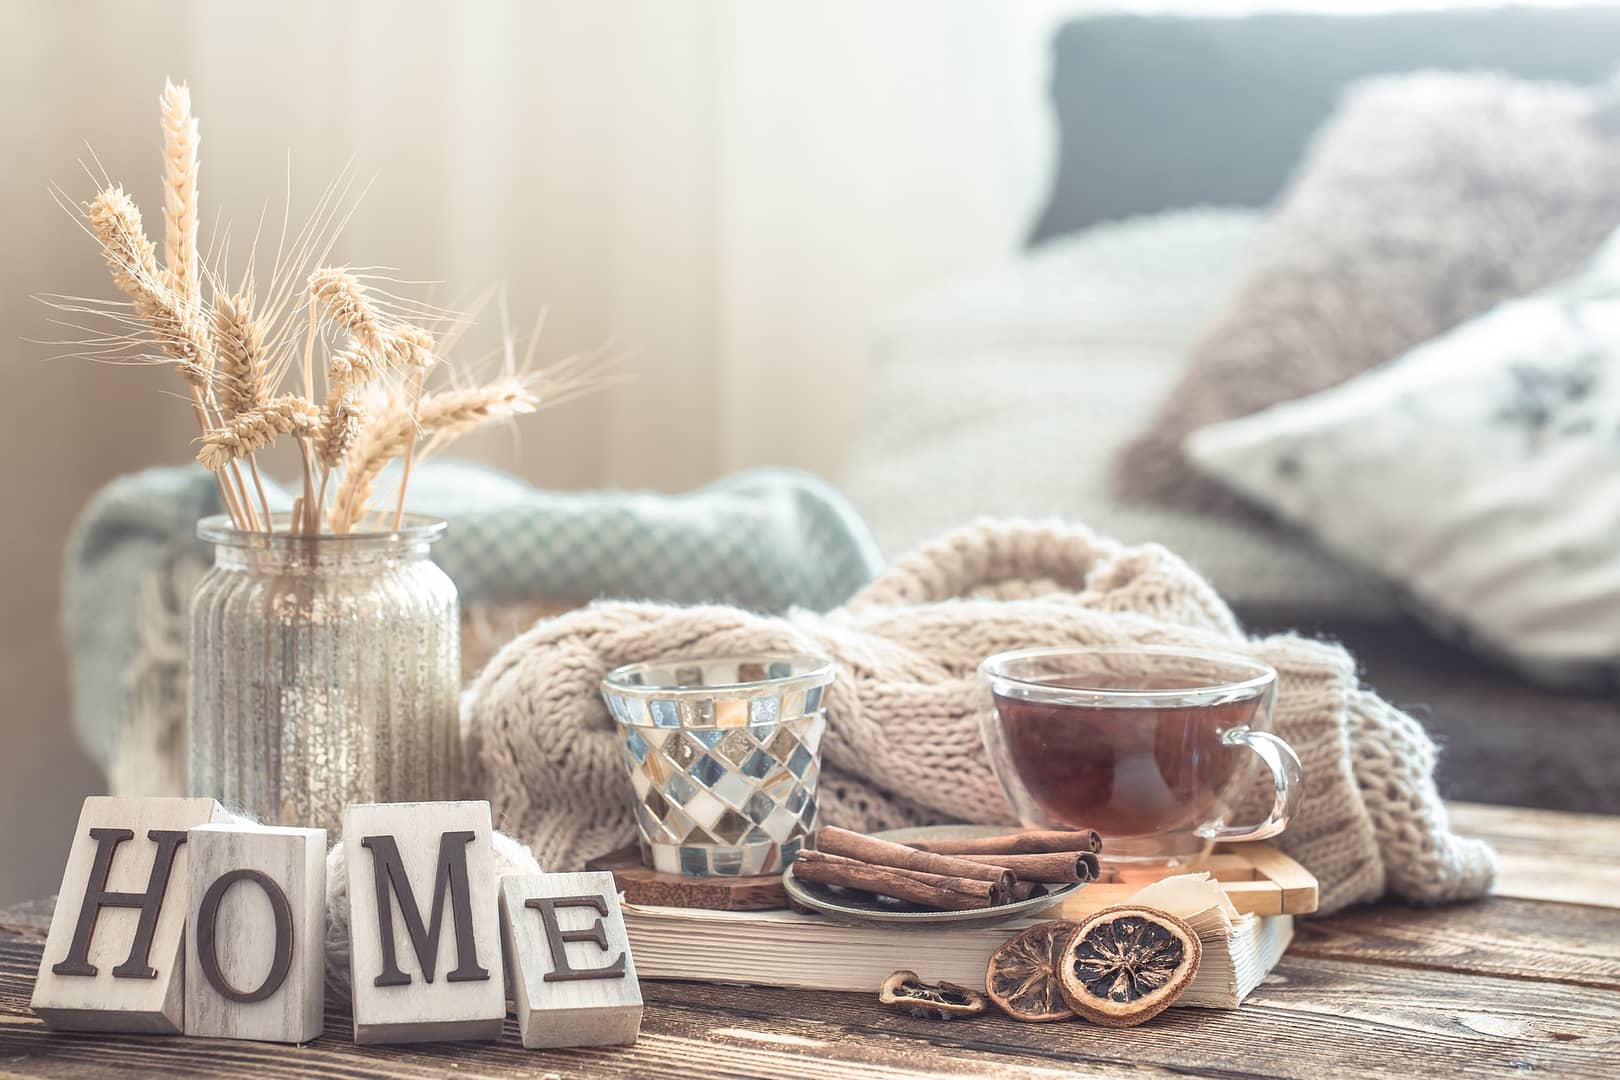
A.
pixel 573 980
pixel 424 934
pixel 113 957
pixel 256 933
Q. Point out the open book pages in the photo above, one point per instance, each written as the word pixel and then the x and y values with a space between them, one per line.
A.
pixel 785 948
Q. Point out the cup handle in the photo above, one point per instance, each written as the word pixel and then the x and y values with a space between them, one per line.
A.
pixel 1286 775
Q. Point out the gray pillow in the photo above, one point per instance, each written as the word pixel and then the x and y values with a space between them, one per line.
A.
pixel 1427 200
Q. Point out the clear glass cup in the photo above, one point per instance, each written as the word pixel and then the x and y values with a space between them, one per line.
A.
pixel 723 757
pixel 324 671
pixel 1151 746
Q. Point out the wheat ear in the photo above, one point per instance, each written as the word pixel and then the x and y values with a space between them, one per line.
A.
pixel 243 381
pixel 378 346
pixel 180 140
pixel 249 432
pixel 116 221
pixel 241 370
pixel 343 418
pixel 444 415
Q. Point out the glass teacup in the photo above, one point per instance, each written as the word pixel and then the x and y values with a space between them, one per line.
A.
pixel 1145 744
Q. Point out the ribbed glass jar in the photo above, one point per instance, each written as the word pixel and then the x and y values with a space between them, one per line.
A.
pixel 324 671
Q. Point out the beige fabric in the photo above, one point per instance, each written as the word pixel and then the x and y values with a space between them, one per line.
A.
pixel 1426 200
pixel 903 744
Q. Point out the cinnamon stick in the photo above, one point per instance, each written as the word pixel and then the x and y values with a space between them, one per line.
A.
pixel 926 890
pixel 1019 843
pixel 869 849
pixel 1055 867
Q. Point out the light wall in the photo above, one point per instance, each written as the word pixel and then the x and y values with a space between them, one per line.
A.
pixel 732 191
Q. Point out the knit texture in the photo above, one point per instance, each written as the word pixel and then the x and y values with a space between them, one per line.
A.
pixel 766 539
pixel 903 744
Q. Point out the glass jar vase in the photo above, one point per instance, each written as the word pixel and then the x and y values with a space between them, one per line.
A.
pixel 324 671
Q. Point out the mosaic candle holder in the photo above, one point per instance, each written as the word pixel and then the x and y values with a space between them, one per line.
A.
pixel 723 757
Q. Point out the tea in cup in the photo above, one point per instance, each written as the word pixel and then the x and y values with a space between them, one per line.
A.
pixel 1150 746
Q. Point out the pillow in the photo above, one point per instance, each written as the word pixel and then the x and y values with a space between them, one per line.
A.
pixel 1481 472
pixel 1426 200
pixel 1008 393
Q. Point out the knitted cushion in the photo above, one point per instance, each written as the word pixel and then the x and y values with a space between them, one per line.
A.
pixel 766 540
pixel 1425 201
pixel 903 744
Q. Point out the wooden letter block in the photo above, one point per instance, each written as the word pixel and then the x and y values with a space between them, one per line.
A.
pixel 113 958
pixel 573 980
pixel 424 949
pixel 256 920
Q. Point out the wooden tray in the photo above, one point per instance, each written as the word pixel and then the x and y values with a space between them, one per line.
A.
pixel 1259 879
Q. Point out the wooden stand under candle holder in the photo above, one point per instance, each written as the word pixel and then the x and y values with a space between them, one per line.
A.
pixel 654 889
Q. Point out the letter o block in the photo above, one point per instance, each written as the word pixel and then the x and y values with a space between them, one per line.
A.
pixel 256 933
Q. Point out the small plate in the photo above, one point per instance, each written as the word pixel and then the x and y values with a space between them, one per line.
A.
pixel 862 908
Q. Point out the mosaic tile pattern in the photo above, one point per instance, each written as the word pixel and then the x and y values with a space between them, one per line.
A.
pixel 723 758
pixel 713 801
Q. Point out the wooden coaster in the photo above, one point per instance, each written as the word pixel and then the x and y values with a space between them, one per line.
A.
pixel 643 886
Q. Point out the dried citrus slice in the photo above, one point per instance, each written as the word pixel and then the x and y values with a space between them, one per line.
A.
pixel 1125 965
pixel 946 1001
pixel 1023 974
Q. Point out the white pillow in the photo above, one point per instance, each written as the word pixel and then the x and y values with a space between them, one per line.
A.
pixel 1480 472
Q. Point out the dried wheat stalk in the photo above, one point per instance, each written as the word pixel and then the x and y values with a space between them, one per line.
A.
pixel 376 346
pixel 116 221
pixel 232 353
pixel 256 429
pixel 180 140
pixel 342 421
pixel 242 369
pixel 444 415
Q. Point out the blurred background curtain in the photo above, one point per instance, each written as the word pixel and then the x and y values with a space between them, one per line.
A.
pixel 729 190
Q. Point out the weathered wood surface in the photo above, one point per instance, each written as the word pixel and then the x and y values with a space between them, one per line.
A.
pixel 1506 987
pixel 1548 854
pixel 116 961
pixel 255 932
pixel 573 979
pixel 404 861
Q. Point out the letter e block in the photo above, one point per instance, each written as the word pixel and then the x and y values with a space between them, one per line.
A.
pixel 256 932
pixel 113 958
pixel 424 939
pixel 573 980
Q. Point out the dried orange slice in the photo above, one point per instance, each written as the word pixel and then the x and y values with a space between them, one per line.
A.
pixel 1125 965
pixel 1023 974
pixel 946 1001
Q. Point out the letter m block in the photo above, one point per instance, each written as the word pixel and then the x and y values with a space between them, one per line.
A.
pixel 424 931
pixel 113 958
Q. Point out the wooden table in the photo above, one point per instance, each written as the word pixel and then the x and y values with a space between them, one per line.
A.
pixel 1524 983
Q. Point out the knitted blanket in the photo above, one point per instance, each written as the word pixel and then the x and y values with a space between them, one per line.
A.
pixel 903 745
pixel 767 540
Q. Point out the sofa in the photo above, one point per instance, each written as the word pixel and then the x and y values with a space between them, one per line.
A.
pixel 1010 392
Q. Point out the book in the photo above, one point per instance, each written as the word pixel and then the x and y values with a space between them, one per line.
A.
pixel 789 949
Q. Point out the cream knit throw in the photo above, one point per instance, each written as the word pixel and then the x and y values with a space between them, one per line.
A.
pixel 903 741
